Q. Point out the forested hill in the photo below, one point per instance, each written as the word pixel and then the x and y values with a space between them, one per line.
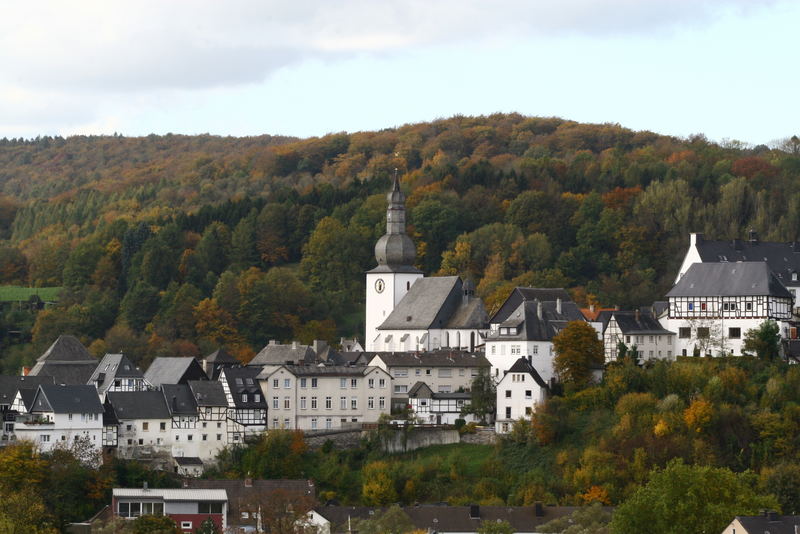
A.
pixel 174 244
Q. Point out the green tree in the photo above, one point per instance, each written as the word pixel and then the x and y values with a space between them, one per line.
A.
pixel 483 397
pixel 208 527
pixel 593 519
pixel 578 351
pixel 783 481
pixel 155 524
pixel 495 527
pixel 139 305
pixel 764 340
pixel 393 521
pixel 689 499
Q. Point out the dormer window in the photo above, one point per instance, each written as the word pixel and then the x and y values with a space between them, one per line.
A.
pixel 794 276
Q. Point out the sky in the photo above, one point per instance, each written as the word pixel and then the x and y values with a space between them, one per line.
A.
pixel 723 68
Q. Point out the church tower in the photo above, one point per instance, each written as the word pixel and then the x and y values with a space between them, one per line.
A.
pixel 388 283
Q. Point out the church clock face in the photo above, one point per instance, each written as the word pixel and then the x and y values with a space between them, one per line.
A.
pixel 379 285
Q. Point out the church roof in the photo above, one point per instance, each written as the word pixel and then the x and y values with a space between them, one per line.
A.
pixel 752 278
pixel 436 302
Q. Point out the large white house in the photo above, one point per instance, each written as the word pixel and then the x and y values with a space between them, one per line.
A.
pixel 638 331
pixel 518 393
pixel 406 311
pixel 713 305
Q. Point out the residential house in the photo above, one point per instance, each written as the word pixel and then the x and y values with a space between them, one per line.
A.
pixel 187 507
pixel 212 412
pixel 518 393
pixel 639 331
pixel 309 397
pixel 768 522
pixel 214 363
pixel 115 372
pixel 713 305
pixel 174 371
pixel 67 361
pixel 144 423
pixel 61 415
pixel 438 408
pixel 247 409
pixel 11 400
pixel 528 329
pixel 279 354
pixel 443 371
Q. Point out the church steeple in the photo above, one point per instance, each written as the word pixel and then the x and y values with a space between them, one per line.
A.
pixel 395 251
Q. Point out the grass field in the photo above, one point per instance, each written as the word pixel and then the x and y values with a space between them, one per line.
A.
pixel 22 294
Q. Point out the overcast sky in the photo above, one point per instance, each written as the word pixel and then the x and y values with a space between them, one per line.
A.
pixel 725 68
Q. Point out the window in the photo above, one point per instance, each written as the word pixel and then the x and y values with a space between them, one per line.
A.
pixel 650 339
pixel 445 388
pixel 274 422
pixel 70 417
pixel 353 383
pixel 209 507
pixel 287 383
pixel 354 403
pixel 684 332
pixel 371 383
pixel 205 437
pixel 702 306
pixel 417 372
pixel 128 427
pixel 382 403
pixel 371 403
pixel 536 349
pixel 302 403
pixel 245 515
pixel 303 383
pixel 528 394
pixel 343 403
pixel 44 438
pixel 286 403
pixel 508 412
pixel 343 383
pixel 382 383
pixel 136 509
pixel 286 423
pixel 328 422
pixel 313 423
pixel 186 525
pixel 748 306
pixel 734 333
pixel 400 372
pixel 445 373
pixel 527 410
pixel 690 306
pixel 313 382
pixel 274 403
pixel 275 382
pixel 508 393
pixel 219 437
pixel 702 332
pixel 461 372
pixel 124 509
pixel 244 397
pixel 427 372
pixel 401 388
pixel 145 426
pixel 669 340
pixel 650 354
pixel 177 438
pixel 493 349
pixel 141 441
pixel 328 403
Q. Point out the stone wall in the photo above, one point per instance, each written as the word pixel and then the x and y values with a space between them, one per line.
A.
pixel 480 437
pixel 398 440
pixel 341 439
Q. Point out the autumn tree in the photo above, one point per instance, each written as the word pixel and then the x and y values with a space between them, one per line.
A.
pixel 578 352
pixel 763 341
pixel 392 521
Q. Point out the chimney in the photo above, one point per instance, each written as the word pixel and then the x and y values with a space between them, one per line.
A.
pixel 737 244
pixel 539 309
pixel 273 342
pixel 695 238
pixel 591 308
pixel 753 236
pixel 558 306
pixel 539 509
pixel 25 371
pixel 319 346
pixel 474 511
pixel 637 315
pixel 294 345
pixel 144 485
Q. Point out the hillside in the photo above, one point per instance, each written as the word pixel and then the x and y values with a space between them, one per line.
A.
pixel 175 244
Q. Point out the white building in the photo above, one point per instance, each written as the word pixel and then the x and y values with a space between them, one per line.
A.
pixel 310 397
pixel 61 415
pixel 115 372
pixel 438 408
pixel 639 331
pixel 518 393
pixel 247 408
pixel 525 325
pixel 713 305
pixel 144 423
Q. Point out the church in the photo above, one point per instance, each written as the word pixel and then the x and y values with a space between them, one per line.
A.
pixel 407 312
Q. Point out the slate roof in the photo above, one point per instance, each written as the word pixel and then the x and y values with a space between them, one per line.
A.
pixel 221 356
pixel 420 389
pixel 444 518
pixel 522 294
pixel 774 524
pixel 67 399
pixel 173 371
pixel 436 302
pixel 279 354
pixel 9 385
pixel 244 380
pixel 214 362
pixel 531 327
pixel 67 361
pixel 208 392
pixel 328 370
pixel 188 460
pixel 27 396
pixel 179 399
pixel 522 365
pixel 639 323
pixel 113 366
pixel 729 280
pixel 438 358
pixel 783 258
pixel 137 405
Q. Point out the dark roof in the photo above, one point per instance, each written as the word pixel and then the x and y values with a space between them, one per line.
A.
pixel 174 371
pixel 189 460
pixel 420 389
pixel 438 358
pixel 221 356
pixel 631 322
pixel 437 302
pixel 243 380
pixel 329 370
pixel 444 518
pixel 179 399
pixel 138 405
pixel 113 366
pixel 27 396
pixel 67 399
pixel 774 524
pixel 659 307
pixel 729 280
pixel 522 294
pixel 278 354
pixel 9 385
pixel 522 365
pixel 783 258
pixel 531 327
pixel 245 495
pixel 208 392
pixel 66 349
pixel 361 358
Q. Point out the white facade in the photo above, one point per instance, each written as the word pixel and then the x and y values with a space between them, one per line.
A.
pixel 144 437
pixel 384 291
pixel 649 346
pixel 518 394
pixel 502 355
pixel 49 430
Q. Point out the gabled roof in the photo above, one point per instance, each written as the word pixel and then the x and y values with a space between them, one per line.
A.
pixel 27 396
pixel 66 349
pixel 113 366
pixel 729 280
pixel 522 365
pixel 531 327
pixel 174 371
pixel 436 302
pixel 438 358
pixel 67 361
pixel 208 392
pixel 783 258
pixel 67 399
pixel 127 405
pixel 9 385
pixel 278 354
pixel 522 294
pixel 244 380
pixel 420 389
pixel 638 323
pixel 328 370
pixel 221 356
pixel 774 524
pixel 179 399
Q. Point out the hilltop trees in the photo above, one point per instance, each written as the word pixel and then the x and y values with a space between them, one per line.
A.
pixel 578 351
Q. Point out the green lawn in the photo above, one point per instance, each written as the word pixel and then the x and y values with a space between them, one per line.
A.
pixel 22 294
